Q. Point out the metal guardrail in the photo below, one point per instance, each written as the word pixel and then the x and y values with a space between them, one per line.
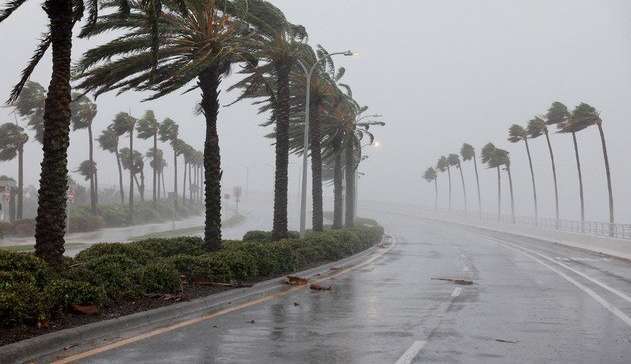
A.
pixel 601 229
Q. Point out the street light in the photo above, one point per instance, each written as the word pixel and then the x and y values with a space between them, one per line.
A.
pixel 303 197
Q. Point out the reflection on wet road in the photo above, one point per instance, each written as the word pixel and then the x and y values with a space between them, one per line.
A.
pixel 516 310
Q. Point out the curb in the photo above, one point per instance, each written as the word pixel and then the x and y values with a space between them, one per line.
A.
pixel 81 338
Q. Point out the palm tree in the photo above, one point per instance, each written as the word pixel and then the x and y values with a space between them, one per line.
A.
pixel 148 127
pixel 199 44
pixel 12 140
pixel 582 117
pixel 124 123
pixel 83 111
pixel 491 158
pixel 443 165
pixel 504 156
pixel 536 128
pixel 517 134
pixel 431 176
pixel 134 162
pixel 30 105
pixel 108 140
pixel 279 43
pixel 169 132
pixel 87 169
pixel 157 163
pixel 559 115
pixel 468 153
pixel 454 160
pixel 188 153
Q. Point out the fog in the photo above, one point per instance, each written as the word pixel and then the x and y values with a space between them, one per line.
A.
pixel 441 72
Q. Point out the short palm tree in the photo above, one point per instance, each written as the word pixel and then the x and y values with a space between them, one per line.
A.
pixel 454 161
pixel 518 134
pixel 87 169
pixel 82 114
pixel 12 140
pixel 582 117
pixel 443 165
pixel 431 176
pixel 124 124
pixel 468 153
pixel 108 140
pixel 536 128
pixel 169 132
pixel 198 45
pixel 148 127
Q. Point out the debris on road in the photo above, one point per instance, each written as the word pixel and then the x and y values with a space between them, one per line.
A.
pixel 317 287
pixel 462 282
pixel 296 281
pixel 507 341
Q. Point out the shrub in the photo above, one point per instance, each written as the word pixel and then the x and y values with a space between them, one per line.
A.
pixel 160 277
pixel 134 252
pixel 25 263
pixel 20 303
pixel 211 268
pixel 174 246
pixel 266 236
pixel 117 274
pixel 183 263
pixel 240 264
pixel 61 293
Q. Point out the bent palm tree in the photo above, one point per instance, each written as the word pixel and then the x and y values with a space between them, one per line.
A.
pixel 559 115
pixel 536 128
pixel 454 160
pixel 468 153
pixel 443 165
pixel 517 134
pixel 582 117
pixel 30 105
pixel 134 162
pixel 82 114
pixel 12 140
pixel 492 159
pixel 108 140
pixel 169 132
pixel 431 176
pixel 199 44
pixel 125 123
pixel 148 127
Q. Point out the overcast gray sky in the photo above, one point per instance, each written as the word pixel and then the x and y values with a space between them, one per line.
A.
pixel 442 73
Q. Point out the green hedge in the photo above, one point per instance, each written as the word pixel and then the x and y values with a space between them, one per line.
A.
pixel 107 274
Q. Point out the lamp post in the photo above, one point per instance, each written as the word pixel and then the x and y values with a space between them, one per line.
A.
pixel 303 197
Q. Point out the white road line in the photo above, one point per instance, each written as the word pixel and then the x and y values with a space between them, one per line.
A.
pixel 457 291
pixel 611 308
pixel 411 353
pixel 593 280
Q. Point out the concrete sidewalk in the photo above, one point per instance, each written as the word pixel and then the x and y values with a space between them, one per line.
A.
pixel 618 248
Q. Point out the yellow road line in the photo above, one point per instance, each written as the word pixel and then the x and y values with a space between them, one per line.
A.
pixel 222 312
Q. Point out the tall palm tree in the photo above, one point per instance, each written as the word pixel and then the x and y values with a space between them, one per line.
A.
pixel 169 132
pixel 157 163
pixel 135 164
pixel 108 140
pixel 30 106
pixel 468 153
pixel 504 157
pixel 536 128
pixel 584 116
pixel 431 176
pixel 492 159
pixel 443 165
pixel 454 161
pixel 279 43
pixel 12 140
pixel 82 114
pixel 148 127
pixel 517 134
pixel 124 124
pixel 559 115
pixel 199 44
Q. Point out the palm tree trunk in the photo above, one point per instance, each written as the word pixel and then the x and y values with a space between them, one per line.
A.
pixel 175 178
pixel 96 186
pixel 209 82
pixel 608 172
pixel 512 196
pixel 281 177
pixel 131 176
pixel 349 171
pixel 499 195
pixel 142 185
pixel 158 192
pixel 51 213
pixel 120 176
pixel 449 176
pixel 435 193
pixel 164 188
pixel 91 157
pixel 155 169
pixel 580 180
pixel 477 180
pixel 534 184
pixel 464 188
pixel 20 202
pixel 554 175
pixel 184 184
pixel 338 203
pixel 190 184
pixel 316 168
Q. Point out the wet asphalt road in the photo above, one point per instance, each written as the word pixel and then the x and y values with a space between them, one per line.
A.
pixel 522 308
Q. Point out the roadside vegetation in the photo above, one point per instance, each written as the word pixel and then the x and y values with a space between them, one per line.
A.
pixel 107 280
